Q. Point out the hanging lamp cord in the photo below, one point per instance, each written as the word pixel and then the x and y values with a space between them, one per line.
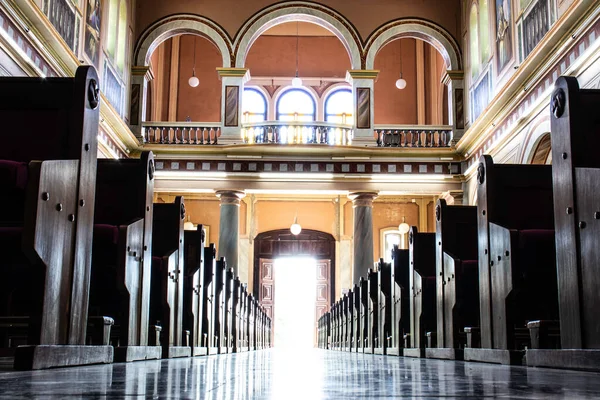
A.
pixel 400 41
pixel 297 41
pixel 194 67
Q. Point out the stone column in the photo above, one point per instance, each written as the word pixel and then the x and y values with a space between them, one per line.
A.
pixel 232 83
pixel 454 80
pixel 229 223
pixel 140 76
pixel 363 233
pixel 363 83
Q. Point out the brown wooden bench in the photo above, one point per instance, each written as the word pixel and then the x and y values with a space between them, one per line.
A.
pixel 401 293
pixel 517 263
pixel 384 284
pixel 122 253
pixel 166 298
pixel 423 299
pixel 575 173
pixel 373 311
pixel 364 315
pixel 193 301
pixel 457 278
pixel 46 222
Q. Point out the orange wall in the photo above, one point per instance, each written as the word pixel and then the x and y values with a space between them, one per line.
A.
pixel 389 215
pixel 317 215
pixel 393 106
pixel 317 57
pixel 202 103
pixel 206 212
pixel 366 16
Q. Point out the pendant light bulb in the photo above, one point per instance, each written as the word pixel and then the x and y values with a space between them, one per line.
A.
pixel 401 83
pixel 194 81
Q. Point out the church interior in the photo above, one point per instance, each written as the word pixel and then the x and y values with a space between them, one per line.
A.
pixel 293 199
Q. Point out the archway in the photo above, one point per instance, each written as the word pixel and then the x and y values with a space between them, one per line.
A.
pixel 415 28
pixel 302 12
pixel 180 24
pixel 271 245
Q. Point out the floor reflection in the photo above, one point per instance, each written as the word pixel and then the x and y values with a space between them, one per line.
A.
pixel 306 374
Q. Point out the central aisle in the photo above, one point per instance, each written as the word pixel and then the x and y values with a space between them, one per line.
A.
pixel 308 375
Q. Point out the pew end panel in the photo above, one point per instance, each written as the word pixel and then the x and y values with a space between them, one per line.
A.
pixel 193 303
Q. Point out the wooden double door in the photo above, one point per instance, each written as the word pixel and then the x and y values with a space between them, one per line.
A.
pixel 276 244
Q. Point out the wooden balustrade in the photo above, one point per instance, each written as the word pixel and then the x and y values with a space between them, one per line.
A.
pixel 413 136
pixel 181 133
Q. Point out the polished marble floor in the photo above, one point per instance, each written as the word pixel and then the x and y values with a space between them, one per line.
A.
pixel 307 374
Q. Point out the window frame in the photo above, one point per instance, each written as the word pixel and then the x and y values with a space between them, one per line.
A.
pixel 290 90
pixel 326 103
pixel 265 102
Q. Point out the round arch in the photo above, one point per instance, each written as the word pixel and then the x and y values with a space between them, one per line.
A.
pixel 537 132
pixel 303 12
pixel 180 24
pixel 308 89
pixel 415 28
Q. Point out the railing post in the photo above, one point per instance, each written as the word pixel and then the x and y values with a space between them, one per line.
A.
pixel 232 82
pixel 363 84
pixel 456 103
pixel 140 76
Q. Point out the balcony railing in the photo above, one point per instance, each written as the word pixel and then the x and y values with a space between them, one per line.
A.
pixel 413 136
pixel 181 132
pixel 297 132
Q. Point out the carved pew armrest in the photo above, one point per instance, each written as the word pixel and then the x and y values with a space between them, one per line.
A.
pixel 544 334
pixel 473 336
pixel 154 335
pixel 406 340
pixel 431 339
pixel 99 330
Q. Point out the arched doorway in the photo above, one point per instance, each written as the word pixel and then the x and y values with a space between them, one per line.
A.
pixel 272 245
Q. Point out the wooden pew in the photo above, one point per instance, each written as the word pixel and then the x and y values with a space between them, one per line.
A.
pixel 244 319
pixel 356 319
pixel 384 293
pixel 236 310
pixel 401 294
pixel 344 323
pixel 48 210
pixel 334 326
pixel 350 322
pixel 517 264
pixel 251 323
pixel 208 308
pixel 364 315
pixel 193 288
pixel 373 311
pixel 219 307
pixel 423 300
pixel 226 341
pixel 166 298
pixel 457 278
pixel 575 175
pixel 122 254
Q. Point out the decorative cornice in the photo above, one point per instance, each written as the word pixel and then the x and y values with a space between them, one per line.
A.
pixel 450 75
pixel 234 72
pixel 362 74
pixel 139 70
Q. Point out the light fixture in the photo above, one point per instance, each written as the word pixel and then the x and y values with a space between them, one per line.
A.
pixel 400 83
pixel 403 227
pixel 189 225
pixel 296 228
pixel 194 81
pixel 296 81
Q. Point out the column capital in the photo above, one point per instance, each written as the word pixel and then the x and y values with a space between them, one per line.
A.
pixel 453 75
pixel 230 197
pixel 363 199
pixel 243 73
pixel 361 74
pixel 142 70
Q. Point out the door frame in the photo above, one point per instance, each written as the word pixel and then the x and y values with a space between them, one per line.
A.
pixel 282 243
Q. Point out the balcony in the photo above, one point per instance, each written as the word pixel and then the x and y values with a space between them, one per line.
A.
pixel 298 133
pixel 413 136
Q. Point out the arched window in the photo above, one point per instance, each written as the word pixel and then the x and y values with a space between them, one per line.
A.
pixel 474 41
pixel 338 107
pixel 116 35
pixel 254 106
pixel 484 32
pixel 296 105
pixel 543 151
pixel 389 238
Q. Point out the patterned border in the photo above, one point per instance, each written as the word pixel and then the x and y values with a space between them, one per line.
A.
pixel 21 40
pixel 242 166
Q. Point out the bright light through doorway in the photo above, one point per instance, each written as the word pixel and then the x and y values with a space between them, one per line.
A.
pixel 295 296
